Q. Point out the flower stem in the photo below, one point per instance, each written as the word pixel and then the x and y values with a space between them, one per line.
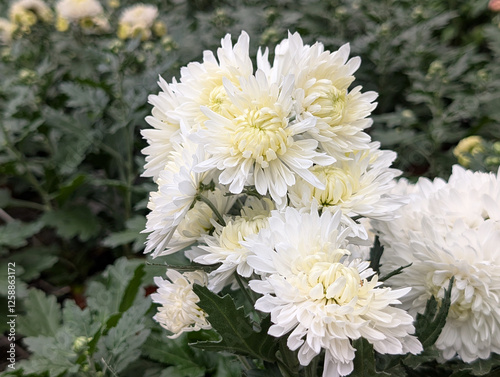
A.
pixel 212 207
pixel 244 288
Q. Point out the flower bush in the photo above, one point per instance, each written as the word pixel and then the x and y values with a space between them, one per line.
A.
pixel 273 205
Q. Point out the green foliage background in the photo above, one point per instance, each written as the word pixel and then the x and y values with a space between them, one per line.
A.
pixel 71 109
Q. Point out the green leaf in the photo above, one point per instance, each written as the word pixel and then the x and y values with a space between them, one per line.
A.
pixel 43 315
pixel 237 334
pixel 171 351
pixel 77 321
pixel 4 198
pixel 105 294
pixel 397 271
pixel 70 187
pixel 428 325
pixel 120 346
pixel 132 289
pixel 71 222
pixel 15 234
pixel 375 254
pixel 93 99
pixel 364 361
pixel 52 354
pixel 134 227
pixel 33 261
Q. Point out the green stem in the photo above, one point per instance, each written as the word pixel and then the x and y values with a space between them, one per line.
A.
pixel 311 369
pixel 244 289
pixel 289 364
pixel 28 174
pixel 212 207
pixel 26 204
pixel 245 362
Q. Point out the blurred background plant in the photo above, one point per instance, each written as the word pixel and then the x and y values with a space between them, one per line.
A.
pixel 73 98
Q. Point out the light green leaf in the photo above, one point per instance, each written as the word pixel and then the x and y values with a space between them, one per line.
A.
pixel 15 234
pixel 89 98
pixel 105 294
pixel 43 315
pixel 54 355
pixel 120 346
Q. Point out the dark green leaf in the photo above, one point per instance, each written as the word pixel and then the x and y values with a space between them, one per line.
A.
pixel 132 289
pixel 71 222
pixel 429 324
pixel 397 271
pixel 375 255
pixel 364 362
pixel 237 334
pixel 134 227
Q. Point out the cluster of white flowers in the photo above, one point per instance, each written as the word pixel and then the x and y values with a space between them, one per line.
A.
pixel 266 175
pixel 139 20
pixel 450 229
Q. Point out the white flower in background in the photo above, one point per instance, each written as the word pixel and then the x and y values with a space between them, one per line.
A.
pixel 7 28
pixel 165 132
pixel 256 143
pixel 201 84
pixel 322 79
pixel 319 296
pixel 137 20
pixel 178 312
pixel 89 14
pixel 224 246
pixel 451 229
pixel 26 13
pixel 359 186
pixel 178 186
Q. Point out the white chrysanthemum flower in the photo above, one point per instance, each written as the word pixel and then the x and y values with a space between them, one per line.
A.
pixel 224 246
pixel 88 14
pixel 178 186
pixel 201 84
pixel 75 10
pixel 27 12
pixel 322 79
pixel 166 130
pixel 256 143
pixel 7 28
pixel 178 312
pixel 451 229
pixel 137 20
pixel 360 186
pixel 321 298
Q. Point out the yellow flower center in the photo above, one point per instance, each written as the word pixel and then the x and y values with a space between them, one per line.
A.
pixel 322 277
pixel 218 100
pixel 331 102
pixel 340 283
pixel 239 229
pixel 339 185
pixel 260 135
